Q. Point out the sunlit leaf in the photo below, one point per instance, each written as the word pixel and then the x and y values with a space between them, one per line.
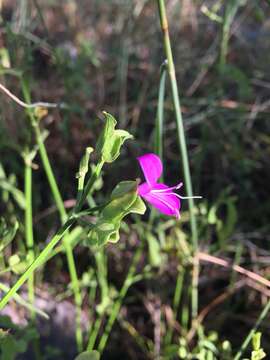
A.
pixel 110 141
pixel 17 264
pixel 124 200
pixel 12 344
pixel 155 256
pixel 7 233
pixel 88 355
pixel 16 193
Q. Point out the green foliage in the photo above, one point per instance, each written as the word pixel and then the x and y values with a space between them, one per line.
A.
pixel 155 255
pixel 18 196
pixel 7 233
pixel 110 141
pixel 208 347
pixel 88 355
pixel 83 168
pixel 84 163
pixel 123 201
pixel 18 263
pixel 226 221
pixel 257 353
pixel 15 342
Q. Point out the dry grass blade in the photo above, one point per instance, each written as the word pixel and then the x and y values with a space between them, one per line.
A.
pixel 218 261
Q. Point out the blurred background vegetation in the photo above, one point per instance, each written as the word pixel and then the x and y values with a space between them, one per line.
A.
pixel 106 55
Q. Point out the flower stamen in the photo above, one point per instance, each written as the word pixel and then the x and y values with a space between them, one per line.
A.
pixel 184 197
pixel 176 187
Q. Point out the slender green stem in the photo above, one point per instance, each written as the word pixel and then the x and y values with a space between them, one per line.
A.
pixel 178 114
pixel 178 290
pixel 176 301
pixel 50 176
pixel 181 139
pixel 36 263
pixel 44 156
pixel 43 256
pixel 160 112
pixel 102 275
pixel 230 12
pixel 68 249
pixel 24 303
pixel 104 290
pixel 94 333
pixel 63 215
pixel 89 185
pixel 118 303
pixel 29 237
pixel 262 316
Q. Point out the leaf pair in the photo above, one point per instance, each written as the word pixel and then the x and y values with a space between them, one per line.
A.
pixel 123 201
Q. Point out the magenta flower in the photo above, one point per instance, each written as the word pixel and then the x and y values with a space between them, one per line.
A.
pixel 161 196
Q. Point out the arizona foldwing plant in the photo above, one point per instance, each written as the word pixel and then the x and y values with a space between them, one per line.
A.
pixel 112 255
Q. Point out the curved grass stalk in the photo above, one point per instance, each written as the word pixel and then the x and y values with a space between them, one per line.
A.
pixel 230 12
pixel 160 112
pixel 29 237
pixel 182 146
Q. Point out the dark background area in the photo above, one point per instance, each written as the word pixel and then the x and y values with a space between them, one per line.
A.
pixel 106 55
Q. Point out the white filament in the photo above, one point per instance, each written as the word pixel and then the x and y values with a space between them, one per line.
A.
pixel 185 197
pixel 168 189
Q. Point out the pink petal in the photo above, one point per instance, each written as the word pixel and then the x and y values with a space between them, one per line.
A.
pixel 144 189
pixel 168 204
pixel 151 166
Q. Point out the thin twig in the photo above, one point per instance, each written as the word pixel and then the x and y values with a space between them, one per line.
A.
pixel 250 274
pixel 33 105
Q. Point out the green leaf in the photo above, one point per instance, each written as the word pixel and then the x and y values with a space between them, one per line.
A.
pixel 84 167
pixel 123 188
pixel 258 354
pixel 224 224
pixel 16 193
pixel 12 344
pixel 7 234
pixel 17 265
pixel 256 340
pixel 88 355
pixel 84 163
pixel 110 141
pixel 138 207
pixel 155 256
pixel 103 232
pixel 124 200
